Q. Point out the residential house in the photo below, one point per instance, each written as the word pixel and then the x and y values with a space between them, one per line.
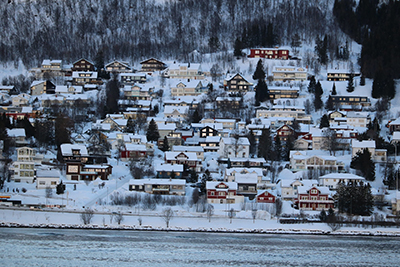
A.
pixel 394 126
pixel 187 88
pixel 23 171
pixel 82 65
pixel 230 173
pixel 332 180
pixel 66 89
pixel 179 113
pixel 42 87
pixel 234 147
pixel 20 100
pixel 377 155
pixel 132 78
pixel 289 73
pixel 159 186
pixel 18 135
pixel 152 64
pixel 247 184
pixel 188 159
pixel 276 92
pixel 195 149
pixel 208 131
pixel 49 65
pixel 229 103
pixel 138 92
pixel 284 132
pixel 341 74
pixel 222 193
pixel 337 117
pixel 339 100
pixel 77 171
pixel 84 77
pixel 358 119
pixel 133 151
pixel 165 128
pixel 265 197
pixel 289 188
pixel 118 66
pixel 47 179
pixel 184 71
pixel 165 170
pixel 281 111
pixel 237 83
pixel 269 53
pixel 304 160
pixel 74 152
pixel 314 198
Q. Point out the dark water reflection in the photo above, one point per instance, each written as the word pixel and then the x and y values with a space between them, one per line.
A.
pixel 50 247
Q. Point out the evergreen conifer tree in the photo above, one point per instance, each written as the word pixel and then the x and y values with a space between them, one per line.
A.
pixel 311 85
pixel 324 122
pixel 363 162
pixel 334 89
pixel 165 146
pixel 152 132
pixel 265 145
pixel 350 84
pixel 261 92
pixel 237 50
pixel 259 73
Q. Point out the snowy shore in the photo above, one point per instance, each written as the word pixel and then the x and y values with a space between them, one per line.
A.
pixel 352 232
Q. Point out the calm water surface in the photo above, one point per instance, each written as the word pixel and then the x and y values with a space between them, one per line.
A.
pixel 50 247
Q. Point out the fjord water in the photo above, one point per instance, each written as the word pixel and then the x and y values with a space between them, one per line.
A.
pixel 53 247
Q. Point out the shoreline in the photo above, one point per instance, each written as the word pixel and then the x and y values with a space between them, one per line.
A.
pixel 377 233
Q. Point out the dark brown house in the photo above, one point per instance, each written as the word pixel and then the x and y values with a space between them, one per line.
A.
pixel 152 64
pixel 82 65
pixel 237 83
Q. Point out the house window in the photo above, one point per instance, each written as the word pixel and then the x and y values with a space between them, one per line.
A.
pixel 42 182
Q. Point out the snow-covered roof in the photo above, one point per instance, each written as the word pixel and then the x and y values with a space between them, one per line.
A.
pixel 135 147
pixel 244 141
pixel 66 149
pixel 338 175
pixel 16 132
pixel 169 167
pixel 362 144
pixel 48 174
pixel 157 181
pixel 188 148
pixel 172 155
pixel 213 185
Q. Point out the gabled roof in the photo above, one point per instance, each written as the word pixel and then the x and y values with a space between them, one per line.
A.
pixel 159 61
pixel 81 60
pixel 220 185
pixel 66 149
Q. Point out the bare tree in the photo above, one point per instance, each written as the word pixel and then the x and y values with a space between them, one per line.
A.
pixel 87 216
pixel 231 214
pixel 331 143
pixel 167 215
pixel 254 214
pixel 278 206
pixel 210 212
pixel 49 192
pixel 119 217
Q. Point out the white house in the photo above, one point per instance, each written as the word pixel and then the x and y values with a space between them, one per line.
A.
pixel 331 180
pixel 234 147
pixel 377 155
pixel 47 178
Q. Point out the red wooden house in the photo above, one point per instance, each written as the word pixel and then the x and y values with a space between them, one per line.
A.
pixel 284 132
pixel 270 53
pixel 266 197
pixel 221 192
pixel 314 198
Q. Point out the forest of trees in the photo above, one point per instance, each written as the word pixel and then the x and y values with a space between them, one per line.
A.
pixel 136 29
pixel 374 25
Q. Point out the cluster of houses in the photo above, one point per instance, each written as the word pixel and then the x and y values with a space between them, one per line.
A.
pixel 219 146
